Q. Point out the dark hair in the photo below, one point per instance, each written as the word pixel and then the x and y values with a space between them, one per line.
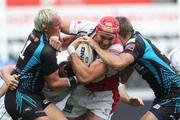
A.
pixel 125 27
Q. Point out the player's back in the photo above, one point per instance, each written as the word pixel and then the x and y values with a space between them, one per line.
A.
pixel 29 64
pixel 155 68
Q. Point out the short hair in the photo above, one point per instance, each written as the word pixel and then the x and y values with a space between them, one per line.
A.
pixel 44 18
pixel 125 26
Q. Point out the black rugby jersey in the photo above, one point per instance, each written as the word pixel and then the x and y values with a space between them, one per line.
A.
pixel 37 59
pixel 153 66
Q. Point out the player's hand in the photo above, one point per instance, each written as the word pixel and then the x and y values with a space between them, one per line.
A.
pixel 65 69
pixel 12 82
pixel 135 101
pixel 90 41
pixel 55 43
pixel 72 47
pixel 76 42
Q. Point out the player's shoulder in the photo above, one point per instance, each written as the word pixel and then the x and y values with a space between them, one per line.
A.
pixel 48 51
pixel 82 26
pixel 83 22
pixel 116 47
pixel 174 54
pixel 175 51
pixel 136 40
pixel 48 48
pixel 34 35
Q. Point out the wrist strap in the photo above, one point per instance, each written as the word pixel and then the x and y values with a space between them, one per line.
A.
pixel 71 49
pixel 54 37
pixel 72 81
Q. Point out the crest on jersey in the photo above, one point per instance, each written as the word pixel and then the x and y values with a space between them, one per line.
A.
pixel 130 45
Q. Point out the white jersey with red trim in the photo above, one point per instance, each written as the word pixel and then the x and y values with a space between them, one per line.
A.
pixel 82 27
pixel 105 89
pixel 85 27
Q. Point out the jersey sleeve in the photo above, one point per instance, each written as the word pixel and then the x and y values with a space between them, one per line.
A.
pixel 135 47
pixel 82 27
pixel 116 49
pixel 49 60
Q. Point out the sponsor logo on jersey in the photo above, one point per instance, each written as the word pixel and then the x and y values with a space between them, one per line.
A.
pixel 106 112
pixel 68 108
pixel 40 111
pixel 130 46
pixel 46 101
pixel 28 109
pixel 156 106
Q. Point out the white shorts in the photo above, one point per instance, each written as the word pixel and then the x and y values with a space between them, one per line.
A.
pixel 55 96
pixel 82 101
pixel 3 113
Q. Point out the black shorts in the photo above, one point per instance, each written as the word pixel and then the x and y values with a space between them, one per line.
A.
pixel 167 109
pixel 24 105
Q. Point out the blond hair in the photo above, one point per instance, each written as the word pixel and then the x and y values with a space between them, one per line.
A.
pixel 44 18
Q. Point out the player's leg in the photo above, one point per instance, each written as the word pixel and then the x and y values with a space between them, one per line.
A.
pixel 148 116
pixel 165 109
pixel 92 116
pixel 101 105
pixel 87 116
pixel 92 106
pixel 54 113
pixel 75 105
pixel 42 118
pixel 82 117
pixel 3 113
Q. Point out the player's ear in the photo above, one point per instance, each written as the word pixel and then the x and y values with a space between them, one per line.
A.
pixel 45 29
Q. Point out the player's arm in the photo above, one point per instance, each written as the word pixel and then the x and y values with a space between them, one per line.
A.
pixel 72 29
pixel 10 80
pixel 120 61
pixel 85 73
pixel 3 89
pixel 50 71
pixel 65 25
pixel 126 73
pixel 7 70
pixel 66 40
pixel 63 43
pixel 125 98
pixel 55 82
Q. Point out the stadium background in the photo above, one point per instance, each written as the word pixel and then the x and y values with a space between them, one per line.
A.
pixel 156 19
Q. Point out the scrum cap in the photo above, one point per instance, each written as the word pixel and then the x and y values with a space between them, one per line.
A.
pixel 108 24
pixel 111 25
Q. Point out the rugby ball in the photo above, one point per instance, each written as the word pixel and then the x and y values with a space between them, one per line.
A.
pixel 85 52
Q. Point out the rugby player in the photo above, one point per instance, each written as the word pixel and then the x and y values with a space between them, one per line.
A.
pixel 37 63
pixel 154 67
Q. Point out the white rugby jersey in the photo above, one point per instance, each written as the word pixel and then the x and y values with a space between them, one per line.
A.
pixel 85 27
pixel 82 27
